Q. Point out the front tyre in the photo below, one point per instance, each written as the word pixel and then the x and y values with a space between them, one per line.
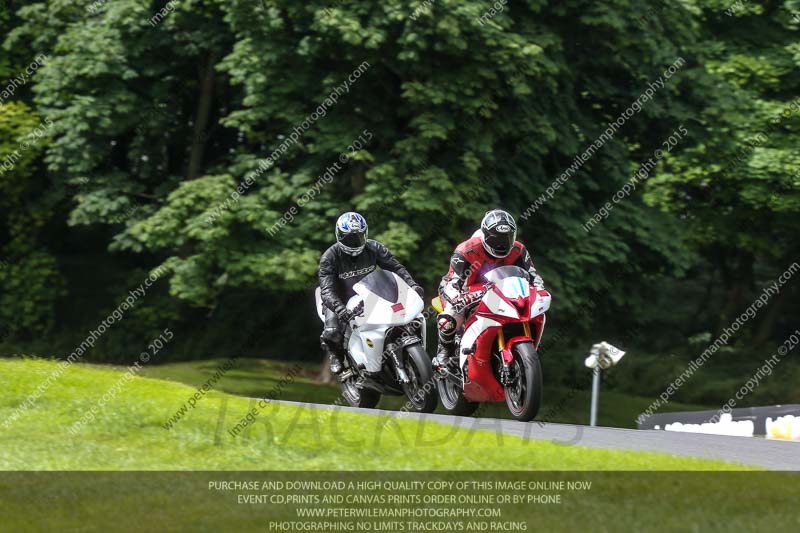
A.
pixel 358 396
pixel 524 393
pixel 421 391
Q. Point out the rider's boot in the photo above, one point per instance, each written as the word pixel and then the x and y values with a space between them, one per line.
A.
pixel 443 355
pixel 447 333
pixel 446 343
pixel 334 353
pixel 336 362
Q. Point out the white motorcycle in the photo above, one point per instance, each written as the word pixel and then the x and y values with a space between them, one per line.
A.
pixel 386 344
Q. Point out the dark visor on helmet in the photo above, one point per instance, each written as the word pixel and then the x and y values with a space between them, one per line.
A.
pixel 500 242
pixel 353 240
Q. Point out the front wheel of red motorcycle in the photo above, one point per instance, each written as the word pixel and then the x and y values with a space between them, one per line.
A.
pixel 524 392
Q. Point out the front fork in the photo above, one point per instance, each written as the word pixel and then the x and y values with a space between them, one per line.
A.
pixel 506 378
pixel 402 375
pixel 395 350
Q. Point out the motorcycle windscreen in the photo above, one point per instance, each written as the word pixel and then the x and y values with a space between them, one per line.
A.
pixel 511 280
pixel 500 273
pixel 382 284
pixel 388 300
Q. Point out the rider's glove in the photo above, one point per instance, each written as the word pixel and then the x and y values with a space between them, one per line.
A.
pixel 537 282
pixel 345 315
pixel 465 300
pixel 419 290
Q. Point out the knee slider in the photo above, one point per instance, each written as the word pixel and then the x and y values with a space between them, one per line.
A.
pixel 446 323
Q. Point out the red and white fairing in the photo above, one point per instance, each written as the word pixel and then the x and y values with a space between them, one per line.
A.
pixel 509 299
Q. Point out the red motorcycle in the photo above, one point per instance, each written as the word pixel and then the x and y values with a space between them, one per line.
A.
pixel 497 349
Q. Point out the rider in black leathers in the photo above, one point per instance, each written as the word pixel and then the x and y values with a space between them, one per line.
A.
pixel 343 265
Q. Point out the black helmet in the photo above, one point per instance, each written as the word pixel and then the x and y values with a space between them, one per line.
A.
pixel 498 232
pixel 351 232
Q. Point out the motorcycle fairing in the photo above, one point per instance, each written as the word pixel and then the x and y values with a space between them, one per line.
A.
pixel 480 384
pixel 476 327
pixel 387 301
pixel 379 311
pixel 366 348
pixel 510 300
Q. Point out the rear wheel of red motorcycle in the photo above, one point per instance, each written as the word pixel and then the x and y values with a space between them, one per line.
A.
pixel 356 395
pixel 452 397
pixel 524 395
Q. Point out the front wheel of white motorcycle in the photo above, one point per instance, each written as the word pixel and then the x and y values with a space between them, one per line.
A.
pixel 421 390
pixel 524 392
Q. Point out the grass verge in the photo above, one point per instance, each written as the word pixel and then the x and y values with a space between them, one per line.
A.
pixel 128 433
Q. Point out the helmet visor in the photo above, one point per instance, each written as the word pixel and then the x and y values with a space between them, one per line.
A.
pixel 353 240
pixel 499 243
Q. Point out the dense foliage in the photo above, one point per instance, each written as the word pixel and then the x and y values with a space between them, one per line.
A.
pixel 220 139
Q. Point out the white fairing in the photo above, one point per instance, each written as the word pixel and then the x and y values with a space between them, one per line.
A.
pixel 497 306
pixel 318 301
pixel 369 329
pixel 379 312
pixel 541 305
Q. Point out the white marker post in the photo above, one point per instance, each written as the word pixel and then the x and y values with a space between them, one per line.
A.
pixel 602 356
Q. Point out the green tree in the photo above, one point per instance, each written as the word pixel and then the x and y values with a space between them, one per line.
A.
pixel 30 283
pixel 462 114
pixel 738 191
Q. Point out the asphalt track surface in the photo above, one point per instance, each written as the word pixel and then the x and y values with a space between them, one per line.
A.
pixel 752 451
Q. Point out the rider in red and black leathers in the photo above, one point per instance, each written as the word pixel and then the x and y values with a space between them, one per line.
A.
pixel 343 265
pixel 492 246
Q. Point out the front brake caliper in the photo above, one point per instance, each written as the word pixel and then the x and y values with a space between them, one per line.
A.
pixel 506 375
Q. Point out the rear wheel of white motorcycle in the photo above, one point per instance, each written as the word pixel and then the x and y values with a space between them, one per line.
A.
pixel 452 396
pixel 421 391
pixel 358 396
pixel 524 394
